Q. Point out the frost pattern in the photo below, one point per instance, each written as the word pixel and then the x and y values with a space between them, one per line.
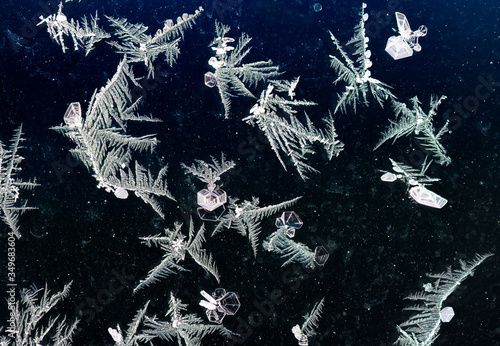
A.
pixel 232 77
pixel 175 245
pixel 10 185
pixel 83 33
pixel 31 324
pixel 245 217
pixel 276 117
pixel 144 48
pixel 422 329
pixel 104 147
pixel 416 121
pixel 357 74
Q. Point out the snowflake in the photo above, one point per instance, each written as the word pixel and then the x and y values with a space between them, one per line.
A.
pixel 178 244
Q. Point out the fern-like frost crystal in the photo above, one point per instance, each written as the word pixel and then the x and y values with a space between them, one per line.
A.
pixel 311 320
pixel 416 121
pixel 103 145
pixel 175 245
pixel 357 74
pixel 83 33
pixel 231 77
pixel 144 48
pixel 181 328
pixel 31 326
pixel 10 185
pixel 422 329
pixel 275 116
pixel 245 217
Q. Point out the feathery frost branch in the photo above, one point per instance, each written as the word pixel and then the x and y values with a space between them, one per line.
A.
pixel 245 217
pixel 103 145
pixel 209 173
pixel 83 34
pixel 175 246
pixel 357 74
pixel 422 329
pixel 141 47
pixel 185 329
pixel 276 117
pixel 131 337
pixel 419 123
pixel 10 185
pixel 231 76
pixel 311 322
pixel 28 316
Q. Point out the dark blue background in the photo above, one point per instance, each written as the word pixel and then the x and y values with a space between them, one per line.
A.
pixel 381 243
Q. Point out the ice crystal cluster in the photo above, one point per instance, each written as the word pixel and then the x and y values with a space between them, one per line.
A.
pixel 103 145
pixel 311 320
pixel 138 46
pixel 415 121
pixel 356 74
pixel 179 327
pixel 422 329
pixel 176 246
pixel 83 33
pixel 11 185
pixel 281 243
pixel 245 218
pixel 30 324
pixel 231 76
pixel 416 182
pixel 212 199
pixel 275 115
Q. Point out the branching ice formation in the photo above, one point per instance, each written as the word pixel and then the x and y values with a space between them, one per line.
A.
pixel 276 117
pixel 280 242
pixel 416 182
pixel 212 199
pixel 185 329
pixel 416 121
pixel 422 329
pixel 307 330
pixel 176 247
pixel 31 313
pixel 83 34
pixel 231 77
pixel 245 217
pixel 104 147
pixel 144 48
pixel 357 74
pixel 10 185
pixel 131 338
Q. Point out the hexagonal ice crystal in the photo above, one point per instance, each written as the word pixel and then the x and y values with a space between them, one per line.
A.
pixel 220 304
pixel 426 197
pixel 320 255
pixel 73 115
pixel 290 232
pixel 447 314
pixel 211 200
pixel 290 219
pixel 210 80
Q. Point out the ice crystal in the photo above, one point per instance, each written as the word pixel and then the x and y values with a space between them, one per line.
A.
pixel 357 74
pixel 245 217
pixel 31 326
pixel 83 33
pixel 103 145
pixel 422 329
pixel 10 184
pixel 175 245
pixel 144 48
pixel 233 78
pixel 416 121
pixel 276 117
